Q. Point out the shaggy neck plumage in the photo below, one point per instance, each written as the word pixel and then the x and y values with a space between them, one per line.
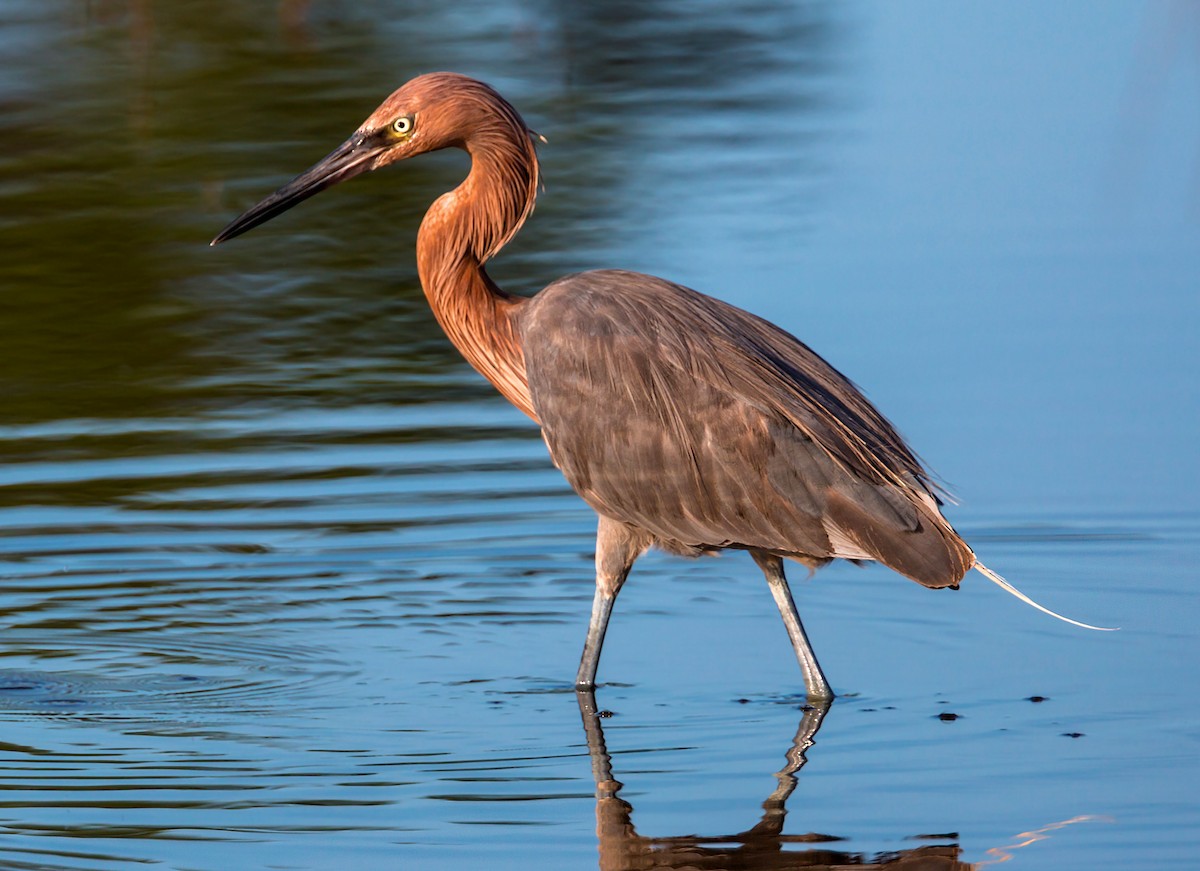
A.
pixel 461 231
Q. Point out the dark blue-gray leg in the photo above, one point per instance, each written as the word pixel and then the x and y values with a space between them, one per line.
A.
pixel 815 684
pixel 617 546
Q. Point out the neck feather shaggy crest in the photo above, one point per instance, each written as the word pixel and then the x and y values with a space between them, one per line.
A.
pixel 466 227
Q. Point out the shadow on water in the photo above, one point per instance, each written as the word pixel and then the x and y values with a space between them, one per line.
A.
pixel 762 847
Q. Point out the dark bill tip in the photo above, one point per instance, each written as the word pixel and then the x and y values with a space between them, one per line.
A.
pixel 346 161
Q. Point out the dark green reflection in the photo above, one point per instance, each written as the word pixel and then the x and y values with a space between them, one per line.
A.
pixel 135 129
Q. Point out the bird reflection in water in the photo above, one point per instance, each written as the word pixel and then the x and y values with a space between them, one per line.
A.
pixel 762 847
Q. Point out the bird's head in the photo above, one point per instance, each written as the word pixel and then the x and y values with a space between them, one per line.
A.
pixel 436 110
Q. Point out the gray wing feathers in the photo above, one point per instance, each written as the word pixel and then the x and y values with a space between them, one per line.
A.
pixel 709 427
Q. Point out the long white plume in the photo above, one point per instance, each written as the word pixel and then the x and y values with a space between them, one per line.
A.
pixel 1009 588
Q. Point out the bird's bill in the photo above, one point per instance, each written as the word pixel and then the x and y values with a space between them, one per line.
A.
pixel 353 157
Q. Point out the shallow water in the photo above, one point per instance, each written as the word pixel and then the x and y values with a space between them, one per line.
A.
pixel 286 586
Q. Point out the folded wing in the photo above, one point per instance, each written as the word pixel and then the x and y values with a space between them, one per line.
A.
pixel 709 427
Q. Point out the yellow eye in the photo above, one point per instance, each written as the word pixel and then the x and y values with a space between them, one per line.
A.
pixel 403 125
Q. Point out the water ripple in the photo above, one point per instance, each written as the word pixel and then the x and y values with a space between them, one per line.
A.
pixel 132 675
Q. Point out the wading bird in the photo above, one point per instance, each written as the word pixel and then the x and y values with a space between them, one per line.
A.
pixel 683 421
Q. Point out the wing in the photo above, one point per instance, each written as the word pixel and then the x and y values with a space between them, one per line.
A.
pixel 709 427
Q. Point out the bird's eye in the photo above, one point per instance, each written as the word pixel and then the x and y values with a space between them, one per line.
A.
pixel 403 125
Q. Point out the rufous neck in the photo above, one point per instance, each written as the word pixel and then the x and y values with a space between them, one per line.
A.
pixel 460 232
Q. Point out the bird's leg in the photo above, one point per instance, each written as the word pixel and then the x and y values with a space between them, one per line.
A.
pixel 815 684
pixel 617 546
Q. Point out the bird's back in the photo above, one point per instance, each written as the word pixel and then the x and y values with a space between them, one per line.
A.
pixel 709 427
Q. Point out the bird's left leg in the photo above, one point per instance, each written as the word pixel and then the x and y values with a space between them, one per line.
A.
pixel 617 546
pixel 815 684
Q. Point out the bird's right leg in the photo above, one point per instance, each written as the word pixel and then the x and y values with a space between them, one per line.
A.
pixel 815 684
pixel 617 546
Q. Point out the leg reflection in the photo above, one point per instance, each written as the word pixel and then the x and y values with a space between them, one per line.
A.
pixel 763 846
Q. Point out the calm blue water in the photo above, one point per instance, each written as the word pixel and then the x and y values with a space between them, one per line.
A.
pixel 286 586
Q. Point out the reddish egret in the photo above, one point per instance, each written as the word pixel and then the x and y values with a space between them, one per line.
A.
pixel 683 421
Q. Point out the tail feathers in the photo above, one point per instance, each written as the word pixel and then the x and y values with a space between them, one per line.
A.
pixel 1009 588
pixel 909 537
